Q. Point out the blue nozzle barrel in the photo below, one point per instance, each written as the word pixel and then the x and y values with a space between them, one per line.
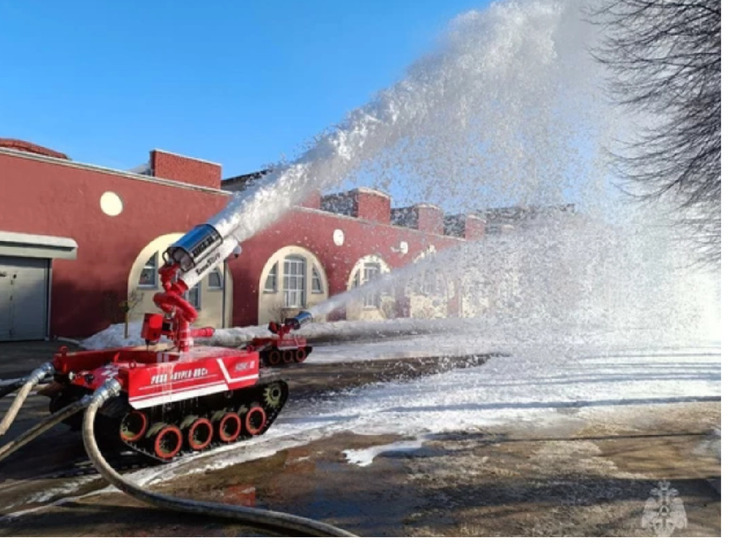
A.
pixel 299 320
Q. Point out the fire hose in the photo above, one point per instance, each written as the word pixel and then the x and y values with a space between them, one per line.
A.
pixel 262 519
pixel 58 417
pixel 6 387
pixel 33 379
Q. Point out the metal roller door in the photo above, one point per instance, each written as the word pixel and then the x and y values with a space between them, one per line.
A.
pixel 24 298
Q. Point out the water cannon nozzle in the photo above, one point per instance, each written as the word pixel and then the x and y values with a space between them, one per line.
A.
pixel 299 320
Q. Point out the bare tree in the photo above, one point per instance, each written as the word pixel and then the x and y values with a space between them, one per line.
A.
pixel 134 298
pixel 664 57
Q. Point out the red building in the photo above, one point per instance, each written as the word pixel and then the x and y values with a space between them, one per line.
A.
pixel 79 242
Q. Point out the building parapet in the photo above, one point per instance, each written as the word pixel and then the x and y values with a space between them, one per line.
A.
pixel 106 170
pixel 427 218
pixel 249 181
pixel 499 219
pixel 465 226
pixel 363 203
pixel 165 165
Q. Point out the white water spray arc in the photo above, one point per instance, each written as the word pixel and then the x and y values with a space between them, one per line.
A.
pixel 493 114
pixel 507 111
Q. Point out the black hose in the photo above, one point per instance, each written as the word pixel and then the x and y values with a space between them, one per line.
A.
pixel 263 519
pixel 12 386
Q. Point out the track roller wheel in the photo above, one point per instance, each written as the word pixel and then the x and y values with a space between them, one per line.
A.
pixel 300 355
pixel 166 440
pixel 198 432
pixel 133 427
pixel 228 426
pixel 288 356
pixel 273 395
pixel 255 419
pixel 274 357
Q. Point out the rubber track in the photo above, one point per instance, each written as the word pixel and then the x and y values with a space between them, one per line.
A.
pixel 116 409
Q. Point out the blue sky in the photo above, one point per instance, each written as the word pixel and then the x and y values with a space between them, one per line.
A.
pixel 239 83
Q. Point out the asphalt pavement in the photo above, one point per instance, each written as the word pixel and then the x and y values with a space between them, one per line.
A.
pixel 18 359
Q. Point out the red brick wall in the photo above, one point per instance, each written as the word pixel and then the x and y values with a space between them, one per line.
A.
pixel 314 231
pixel 185 169
pixel 474 227
pixel 47 198
pixel 429 219
pixel 373 206
pixel 313 201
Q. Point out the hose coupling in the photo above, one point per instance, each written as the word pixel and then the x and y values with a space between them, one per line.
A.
pixel 41 372
pixel 107 390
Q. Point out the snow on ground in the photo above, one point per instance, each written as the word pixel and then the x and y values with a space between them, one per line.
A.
pixel 536 384
pixel 518 389
pixel 540 385
pixel 365 456
pixel 514 389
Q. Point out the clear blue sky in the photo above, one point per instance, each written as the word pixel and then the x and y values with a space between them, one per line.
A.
pixel 241 83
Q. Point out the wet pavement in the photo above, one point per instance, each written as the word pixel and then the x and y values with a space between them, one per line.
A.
pixel 48 467
pixel 592 474
pixel 18 359
pixel 507 482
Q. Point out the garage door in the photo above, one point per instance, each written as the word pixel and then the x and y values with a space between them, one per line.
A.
pixel 24 298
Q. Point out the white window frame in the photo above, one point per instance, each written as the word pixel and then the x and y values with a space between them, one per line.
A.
pixel 194 296
pixel 317 284
pixel 370 271
pixel 431 284
pixel 151 264
pixel 215 274
pixel 294 278
pixel 271 277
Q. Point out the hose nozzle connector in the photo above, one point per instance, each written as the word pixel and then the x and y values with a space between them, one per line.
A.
pixel 299 320
pixel 36 376
pixel 107 390
pixel 42 371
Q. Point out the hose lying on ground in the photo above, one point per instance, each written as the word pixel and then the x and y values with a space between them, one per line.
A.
pixel 57 417
pixel 33 379
pixel 11 386
pixel 256 517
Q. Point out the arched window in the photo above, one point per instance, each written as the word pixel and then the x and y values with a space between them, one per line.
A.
pixel 369 272
pixel 317 284
pixel 149 273
pixel 294 282
pixel 429 293
pixel 215 280
pixel 211 296
pixel 194 296
pixel 366 270
pixel 292 279
pixel 270 284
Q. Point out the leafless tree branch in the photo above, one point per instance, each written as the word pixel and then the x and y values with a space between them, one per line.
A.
pixel 664 58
